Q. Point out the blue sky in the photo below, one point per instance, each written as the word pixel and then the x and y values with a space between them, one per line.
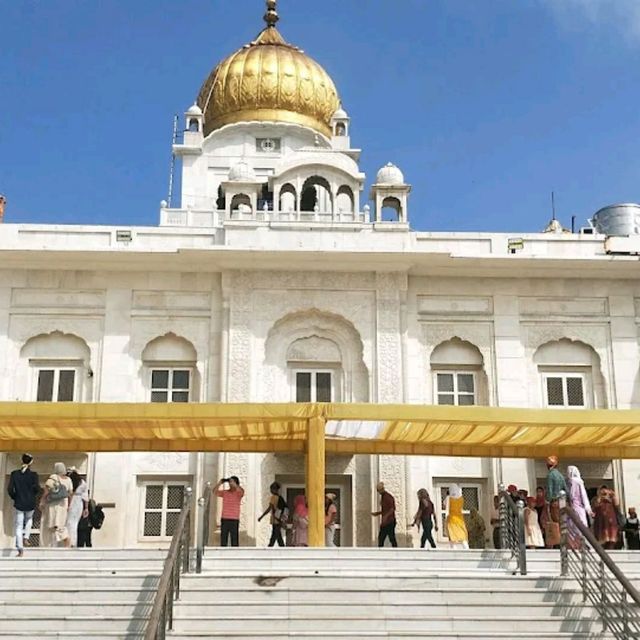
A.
pixel 486 105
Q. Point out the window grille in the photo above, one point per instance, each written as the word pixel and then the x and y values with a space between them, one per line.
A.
pixel 456 388
pixel 170 385
pixel 162 505
pixel 565 390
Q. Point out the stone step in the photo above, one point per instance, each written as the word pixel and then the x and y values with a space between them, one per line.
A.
pixel 411 635
pixel 375 596
pixel 79 623
pixel 81 635
pixel 24 583
pixel 364 625
pixel 106 593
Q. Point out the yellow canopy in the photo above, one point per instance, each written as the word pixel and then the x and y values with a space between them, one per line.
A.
pixel 349 429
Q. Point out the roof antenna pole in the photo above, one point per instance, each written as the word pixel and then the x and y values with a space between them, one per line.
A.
pixel 172 166
pixel 553 205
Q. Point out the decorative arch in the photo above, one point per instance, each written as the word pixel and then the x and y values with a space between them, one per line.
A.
pixel 345 200
pixel 169 348
pixel 455 362
pixel 328 335
pixel 391 209
pixel 288 198
pixel 567 355
pixel 241 203
pixel 316 195
pixel 56 346
pixel 169 369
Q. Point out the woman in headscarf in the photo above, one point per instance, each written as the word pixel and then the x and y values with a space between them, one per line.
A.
pixel 579 502
pixel 300 522
pixel 532 532
pixel 425 517
pixel 605 519
pixel 79 506
pixel 54 505
pixel 476 530
pixel 456 527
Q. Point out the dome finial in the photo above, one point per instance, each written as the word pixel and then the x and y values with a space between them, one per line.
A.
pixel 271 17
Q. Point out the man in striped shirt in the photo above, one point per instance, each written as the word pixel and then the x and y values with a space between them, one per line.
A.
pixel 230 520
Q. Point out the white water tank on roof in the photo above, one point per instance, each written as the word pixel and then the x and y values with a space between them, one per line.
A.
pixel 618 220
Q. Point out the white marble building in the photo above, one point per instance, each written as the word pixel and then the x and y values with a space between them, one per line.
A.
pixel 274 280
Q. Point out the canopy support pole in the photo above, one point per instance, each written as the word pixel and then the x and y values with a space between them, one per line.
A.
pixel 315 480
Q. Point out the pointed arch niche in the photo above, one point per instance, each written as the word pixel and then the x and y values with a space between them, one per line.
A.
pixel 314 341
pixel 458 374
pixel 569 374
pixel 56 368
pixel 170 371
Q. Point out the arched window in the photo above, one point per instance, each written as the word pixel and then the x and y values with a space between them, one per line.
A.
pixel 287 202
pixel 570 375
pixel 241 203
pixel 169 364
pixel 391 210
pixel 344 200
pixel 316 195
pixel 59 365
pixel 194 125
pixel 458 374
pixel 341 129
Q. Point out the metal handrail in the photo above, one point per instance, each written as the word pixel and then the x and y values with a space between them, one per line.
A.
pixel 176 563
pixel 512 528
pixel 587 560
pixel 204 503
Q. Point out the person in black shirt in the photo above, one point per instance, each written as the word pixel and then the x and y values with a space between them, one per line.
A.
pixel 23 489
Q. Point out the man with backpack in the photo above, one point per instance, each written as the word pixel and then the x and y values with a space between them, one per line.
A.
pixel 94 520
pixel 23 489
pixel 279 511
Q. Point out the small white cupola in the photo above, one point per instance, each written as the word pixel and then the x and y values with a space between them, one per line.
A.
pixel 241 192
pixel 193 119
pixel 390 194
pixel 340 138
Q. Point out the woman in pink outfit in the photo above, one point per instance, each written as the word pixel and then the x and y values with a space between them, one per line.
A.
pixel 300 522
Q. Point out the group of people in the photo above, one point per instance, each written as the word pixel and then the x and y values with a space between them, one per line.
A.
pixel 542 513
pixel 67 514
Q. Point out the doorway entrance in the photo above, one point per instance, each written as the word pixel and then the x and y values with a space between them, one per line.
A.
pixel 293 485
pixel 473 494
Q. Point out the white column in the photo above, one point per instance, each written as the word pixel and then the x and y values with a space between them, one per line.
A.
pixel 5 378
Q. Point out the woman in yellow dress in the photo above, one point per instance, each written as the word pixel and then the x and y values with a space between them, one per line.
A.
pixel 456 527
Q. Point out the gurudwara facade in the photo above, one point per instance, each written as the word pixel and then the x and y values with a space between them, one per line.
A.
pixel 280 279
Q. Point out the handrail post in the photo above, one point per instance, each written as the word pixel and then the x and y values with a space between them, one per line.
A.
pixel 186 559
pixel 583 561
pixel 203 517
pixel 502 515
pixel 522 559
pixel 603 595
pixel 564 551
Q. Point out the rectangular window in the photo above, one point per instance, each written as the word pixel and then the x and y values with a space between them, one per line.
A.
pixel 565 390
pixel 56 385
pixel 314 386
pixel 456 388
pixel 162 503
pixel 170 385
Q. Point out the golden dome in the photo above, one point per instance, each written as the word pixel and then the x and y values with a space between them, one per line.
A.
pixel 269 80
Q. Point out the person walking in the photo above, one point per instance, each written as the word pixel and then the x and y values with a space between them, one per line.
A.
pixel 330 518
pixel 23 489
pixel 532 531
pixel 78 507
pixel 555 484
pixel 425 517
pixel 230 516
pixel 54 505
pixel 387 515
pixel 476 529
pixel 300 519
pixel 456 527
pixel 632 530
pixel 279 514
pixel 605 520
pixel 579 502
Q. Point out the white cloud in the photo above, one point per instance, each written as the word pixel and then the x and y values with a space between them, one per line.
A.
pixel 621 17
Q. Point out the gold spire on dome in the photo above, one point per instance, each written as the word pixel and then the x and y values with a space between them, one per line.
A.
pixel 269 80
pixel 271 17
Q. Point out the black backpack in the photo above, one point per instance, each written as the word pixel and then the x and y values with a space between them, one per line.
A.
pixel 96 515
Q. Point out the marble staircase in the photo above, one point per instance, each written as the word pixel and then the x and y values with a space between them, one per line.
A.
pixel 334 594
